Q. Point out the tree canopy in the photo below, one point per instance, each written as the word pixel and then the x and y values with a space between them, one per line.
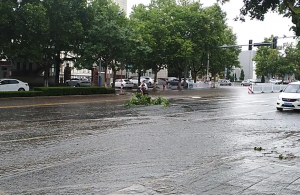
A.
pixel 256 9
pixel 177 35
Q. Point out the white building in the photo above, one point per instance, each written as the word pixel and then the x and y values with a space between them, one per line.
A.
pixel 246 63
pixel 122 4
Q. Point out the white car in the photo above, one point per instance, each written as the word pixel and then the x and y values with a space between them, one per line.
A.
pixel 135 80
pixel 289 97
pixel 148 80
pixel 84 82
pixel 13 85
pixel 275 81
pixel 126 83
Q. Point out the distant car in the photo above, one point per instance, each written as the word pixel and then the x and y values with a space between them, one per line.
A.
pixel 126 83
pixel 135 80
pixel 149 81
pixel 289 97
pixel 275 81
pixel 174 82
pixel 224 82
pixel 13 85
pixel 246 83
pixel 78 82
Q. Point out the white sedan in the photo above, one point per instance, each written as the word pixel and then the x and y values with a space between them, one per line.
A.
pixel 290 97
pixel 125 83
pixel 13 85
pixel 275 81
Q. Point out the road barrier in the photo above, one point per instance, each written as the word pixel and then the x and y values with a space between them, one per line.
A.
pixel 198 85
pixel 265 88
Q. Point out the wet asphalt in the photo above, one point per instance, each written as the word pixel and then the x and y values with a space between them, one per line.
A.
pixel 202 144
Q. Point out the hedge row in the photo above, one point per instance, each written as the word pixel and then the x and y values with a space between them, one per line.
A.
pixel 5 94
pixel 58 91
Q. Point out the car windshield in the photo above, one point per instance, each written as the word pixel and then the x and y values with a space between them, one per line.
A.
pixel 292 89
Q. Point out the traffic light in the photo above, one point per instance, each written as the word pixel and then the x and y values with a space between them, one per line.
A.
pixel 250 45
pixel 274 44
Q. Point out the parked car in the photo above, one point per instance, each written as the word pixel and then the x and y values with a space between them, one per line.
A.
pixel 247 82
pixel 275 81
pixel 126 83
pixel 13 85
pixel 170 79
pixel 173 82
pixel 289 97
pixel 149 81
pixel 224 82
pixel 135 80
pixel 78 82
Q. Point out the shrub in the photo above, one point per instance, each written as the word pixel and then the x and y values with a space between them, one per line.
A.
pixel 58 91
pixel 6 94
pixel 139 99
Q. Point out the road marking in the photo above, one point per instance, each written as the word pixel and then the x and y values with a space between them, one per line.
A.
pixel 57 104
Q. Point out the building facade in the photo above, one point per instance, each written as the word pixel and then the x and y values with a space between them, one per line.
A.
pixel 122 4
pixel 247 65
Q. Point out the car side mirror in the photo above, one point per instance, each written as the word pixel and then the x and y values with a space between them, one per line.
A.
pixel 281 91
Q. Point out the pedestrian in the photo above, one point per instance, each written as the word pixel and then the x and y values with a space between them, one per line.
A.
pixel 143 87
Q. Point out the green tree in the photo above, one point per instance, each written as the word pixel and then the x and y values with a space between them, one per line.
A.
pixel 107 39
pixel 151 23
pixel 222 58
pixel 258 8
pixel 41 31
pixel 242 76
pixel 271 62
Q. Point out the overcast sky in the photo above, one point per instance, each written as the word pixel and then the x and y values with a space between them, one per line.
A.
pixel 251 29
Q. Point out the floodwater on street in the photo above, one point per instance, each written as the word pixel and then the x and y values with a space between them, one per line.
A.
pixel 203 143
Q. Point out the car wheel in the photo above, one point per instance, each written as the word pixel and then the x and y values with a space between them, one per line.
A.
pixel 67 84
pixel 280 109
pixel 78 85
pixel 21 89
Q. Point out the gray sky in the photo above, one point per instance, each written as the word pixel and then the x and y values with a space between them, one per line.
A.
pixel 251 29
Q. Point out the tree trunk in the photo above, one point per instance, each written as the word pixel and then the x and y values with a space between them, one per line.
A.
pixel 105 75
pixel 114 78
pixel 155 81
pixel 195 77
pixel 57 68
pixel 139 79
pixel 46 76
pixel 179 81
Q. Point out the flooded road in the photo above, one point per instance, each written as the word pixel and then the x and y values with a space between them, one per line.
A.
pixel 202 144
